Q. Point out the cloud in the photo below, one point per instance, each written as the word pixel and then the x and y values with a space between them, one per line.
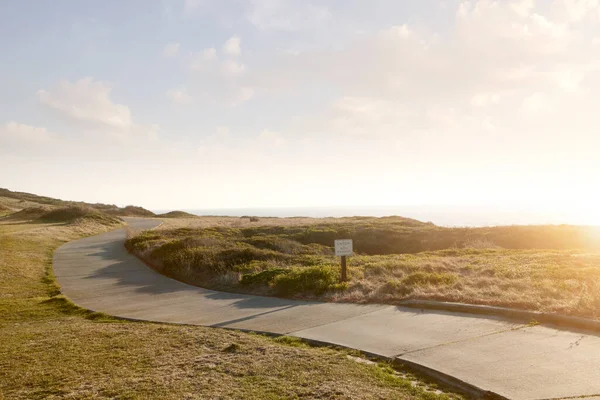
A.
pixel 222 75
pixel 232 47
pixel 522 7
pixel 87 100
pixel 179 96
pixel 271 138
pixel 494 61
pixel 232 68
pixel 203 60
pixel 535 102
pixel 13 132
pixel 576 11
pixel 285 15
pixel 171 49
pixel 485 99
pixel 371 116
pixel 189 6
pixel 222 131
pixel 89 103
pixel 243 95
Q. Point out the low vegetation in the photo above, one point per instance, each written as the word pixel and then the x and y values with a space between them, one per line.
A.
pixel 52 349
pixel 17 201
pixel 176 214
pixel 68 215
pixel 129 211
pixel 5 210
pixel 544 268
pixel 78 213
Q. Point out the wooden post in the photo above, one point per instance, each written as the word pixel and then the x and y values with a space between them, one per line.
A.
pixel 344 270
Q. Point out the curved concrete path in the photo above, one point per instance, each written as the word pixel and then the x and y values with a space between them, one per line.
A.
pixel 510 359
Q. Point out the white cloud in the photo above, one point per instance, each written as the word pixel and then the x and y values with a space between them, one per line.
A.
pixel 222 131
pixel 203 60
pixel 243 95
pixel 190 6
pixel 576 11
pixel 179 96
pixel 225 76
pixel 485 99
pixel 232 47
pixel 87 100
pixel 522 7
pixel 13 132
pixel 232 68
pixel 271 138
pixel 504 58
pixel 535 102
pixel 286 15
pixel 371 116
pixel 171 49
pixel 402 31
pixel 209 54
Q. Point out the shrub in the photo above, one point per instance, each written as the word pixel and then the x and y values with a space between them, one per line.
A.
pixel 263 277
pixel 275 243
pixel 142 241
pixel 177 214
pixel 66 214
pixel 73 213
pixel 307 280
pixel 429 278
pixel 134 211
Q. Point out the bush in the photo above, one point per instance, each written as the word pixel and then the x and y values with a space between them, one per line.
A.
pixel 263 277
pixel 429 278
pixel 307 280
pixel 73 213
pixel 275 243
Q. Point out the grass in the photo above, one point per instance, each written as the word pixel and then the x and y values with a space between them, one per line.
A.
pixel 176 214
pixel 541 268
pixel 4 210
pixel 71 214
pixel 51 348
pixel 17 201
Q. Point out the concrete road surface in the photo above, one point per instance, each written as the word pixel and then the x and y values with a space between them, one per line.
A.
pixel 513 360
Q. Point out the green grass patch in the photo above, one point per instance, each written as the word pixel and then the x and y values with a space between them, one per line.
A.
pixel 265 277
pixel 308 280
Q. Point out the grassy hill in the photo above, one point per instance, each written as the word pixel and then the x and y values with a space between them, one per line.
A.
pixel 543 268
pixel 52 349
pixel 18 201
pixel 177 214
pixel 4 210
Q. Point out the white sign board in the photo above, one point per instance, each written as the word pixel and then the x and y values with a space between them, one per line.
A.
pixel 343 247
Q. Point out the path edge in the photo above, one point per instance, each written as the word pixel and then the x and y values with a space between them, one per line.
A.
pixel 563 321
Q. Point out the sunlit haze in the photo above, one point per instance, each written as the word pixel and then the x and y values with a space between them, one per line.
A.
pixel 204 105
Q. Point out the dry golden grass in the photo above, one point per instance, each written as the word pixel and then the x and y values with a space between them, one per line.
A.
pixel 238 222
pixel 10 205
pixel 297 261
pixel 560 281
pixel 50 349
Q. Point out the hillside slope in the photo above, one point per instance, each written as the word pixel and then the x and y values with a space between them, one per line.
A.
pixel 11 202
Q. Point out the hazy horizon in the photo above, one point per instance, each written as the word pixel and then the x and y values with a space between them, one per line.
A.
pixel 455 216
pixel 279 103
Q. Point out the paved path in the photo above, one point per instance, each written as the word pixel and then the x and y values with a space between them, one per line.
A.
pixel 513 360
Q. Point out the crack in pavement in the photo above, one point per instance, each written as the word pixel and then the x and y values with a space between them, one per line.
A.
pixel 464 340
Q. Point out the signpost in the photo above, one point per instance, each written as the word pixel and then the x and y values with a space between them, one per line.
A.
pixel 343 248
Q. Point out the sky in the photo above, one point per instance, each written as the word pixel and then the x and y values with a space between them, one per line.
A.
pixel 277 103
